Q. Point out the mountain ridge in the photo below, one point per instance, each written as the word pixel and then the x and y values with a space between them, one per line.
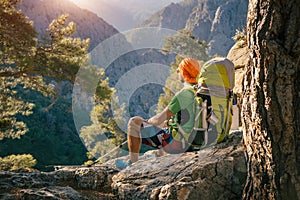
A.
pixel 43 12
pixel 214 22
pixel 124 16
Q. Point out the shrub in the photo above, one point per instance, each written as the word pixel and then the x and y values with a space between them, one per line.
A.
pixel 240 38
pixel 17 162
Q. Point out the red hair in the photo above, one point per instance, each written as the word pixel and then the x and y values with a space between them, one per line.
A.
pixel 189 69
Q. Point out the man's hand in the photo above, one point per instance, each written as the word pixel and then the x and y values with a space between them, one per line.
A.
pixel 159 119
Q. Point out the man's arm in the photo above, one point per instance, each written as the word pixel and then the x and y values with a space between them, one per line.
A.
pixel 160 118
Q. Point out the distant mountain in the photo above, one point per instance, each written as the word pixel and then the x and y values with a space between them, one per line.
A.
pixel 173 16
pixel 88 24
pixel 122 14
pixel 215 21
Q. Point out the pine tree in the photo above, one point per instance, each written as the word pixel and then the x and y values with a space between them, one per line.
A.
pixel 26 63
pixel 184 44
pixel 106 117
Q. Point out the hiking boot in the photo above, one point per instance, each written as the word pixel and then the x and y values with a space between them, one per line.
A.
pixel 122 164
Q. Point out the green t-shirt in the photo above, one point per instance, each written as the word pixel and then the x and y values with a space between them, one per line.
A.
pixel 182 106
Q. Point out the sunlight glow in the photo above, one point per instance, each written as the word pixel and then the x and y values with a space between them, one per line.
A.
pixel 91 5
pixel 80 2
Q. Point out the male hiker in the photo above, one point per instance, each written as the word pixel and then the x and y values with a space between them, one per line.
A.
pixel 181 107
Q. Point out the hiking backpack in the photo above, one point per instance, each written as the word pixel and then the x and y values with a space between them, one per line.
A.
pixel 213 102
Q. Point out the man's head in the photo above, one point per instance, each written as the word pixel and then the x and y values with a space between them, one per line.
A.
pixel 189 69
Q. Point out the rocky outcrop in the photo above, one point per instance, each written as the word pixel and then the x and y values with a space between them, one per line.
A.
pixel 216 22
pixel 216 172
pixel 239 54
pixel 65 183
pixel 213 173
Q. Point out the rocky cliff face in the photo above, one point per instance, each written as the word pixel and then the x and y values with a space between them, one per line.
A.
pixel 217 172
pixel 174 16
pixel 212 21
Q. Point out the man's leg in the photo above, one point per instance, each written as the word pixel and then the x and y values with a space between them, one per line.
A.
pixel 134 137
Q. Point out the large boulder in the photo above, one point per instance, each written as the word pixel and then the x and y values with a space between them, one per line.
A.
pixel 216 172
pixel 238 54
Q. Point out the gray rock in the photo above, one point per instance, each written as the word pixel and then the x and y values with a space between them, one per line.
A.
pixel 213 173
pixel 239 54
pixel 50 193
pixel 76 182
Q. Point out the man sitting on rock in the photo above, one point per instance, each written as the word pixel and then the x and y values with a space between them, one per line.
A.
pixel 180 108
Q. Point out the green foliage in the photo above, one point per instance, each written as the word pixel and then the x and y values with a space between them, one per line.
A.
pixel 15 49
pixel 60 55
pixel 186 45
pixel 27 66
pixel 106 117
pixel 16 162
pixel 89 162
pixel 52 137
pixel 26 62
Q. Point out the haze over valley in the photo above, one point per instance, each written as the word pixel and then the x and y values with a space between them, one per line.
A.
pixel 124 15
